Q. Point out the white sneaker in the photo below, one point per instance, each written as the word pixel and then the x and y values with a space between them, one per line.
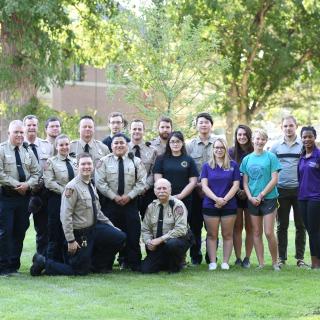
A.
pixel 212 266
pixel 225 266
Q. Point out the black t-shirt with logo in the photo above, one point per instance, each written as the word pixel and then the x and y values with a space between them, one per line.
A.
pixel 177 170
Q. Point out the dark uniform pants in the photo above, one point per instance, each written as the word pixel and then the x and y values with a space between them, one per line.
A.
pixel 127 219
pixel 14 222
pixel 56 249
pixel 168 256
pixel 287 199
pixel 196 224
pixel 144 201
pixel 98 249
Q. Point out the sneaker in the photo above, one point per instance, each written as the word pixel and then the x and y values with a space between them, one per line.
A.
pixel 281 262
pixel 246 263
pixel 238 262
pixel 260 267
pixel 276 267
pixel 38 264
pixel 302 264
pixel 212 266
pixel 224 266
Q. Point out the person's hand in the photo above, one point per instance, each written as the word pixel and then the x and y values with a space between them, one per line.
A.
pixel 150 246
pixel 22 188
pixel 220 202
pixel 124 200
pixel 241 195
pixel 255 201
pixel 117 200
pixel 73 247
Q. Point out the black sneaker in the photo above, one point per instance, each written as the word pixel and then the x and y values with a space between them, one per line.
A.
pixel 302 264
pixel 38 265
pixel 246 263
pixel 281 262
pixel 238 262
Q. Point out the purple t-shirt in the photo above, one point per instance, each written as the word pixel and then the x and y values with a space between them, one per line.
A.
pixel 220 181
pixel 309 176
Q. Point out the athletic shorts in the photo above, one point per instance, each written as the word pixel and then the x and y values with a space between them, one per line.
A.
pixel 267 206
pixel 216 212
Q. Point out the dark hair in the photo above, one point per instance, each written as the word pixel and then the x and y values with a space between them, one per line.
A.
pixel 51 119
pixel 59 137
pixel 205 115
pixel 137 120
pixel 84 155
pixel 119 135
pixel 308 128
pixel 248 147
pixel 178 135
pixel 165 119
pixel 86 117
pixel 118 114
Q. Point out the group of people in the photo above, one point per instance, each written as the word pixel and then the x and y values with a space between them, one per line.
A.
pixel 93 200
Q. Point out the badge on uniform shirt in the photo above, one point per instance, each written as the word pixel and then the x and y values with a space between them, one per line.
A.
pixel 68 193
pixel 98 164
pixel 184 164
pixel 179 210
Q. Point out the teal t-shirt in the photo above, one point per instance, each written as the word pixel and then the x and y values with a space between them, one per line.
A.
pixel 259 169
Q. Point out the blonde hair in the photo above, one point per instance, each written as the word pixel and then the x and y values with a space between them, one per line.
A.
pixel 261 133
pixel 226 160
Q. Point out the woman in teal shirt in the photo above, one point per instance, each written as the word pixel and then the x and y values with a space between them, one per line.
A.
pixel 260 177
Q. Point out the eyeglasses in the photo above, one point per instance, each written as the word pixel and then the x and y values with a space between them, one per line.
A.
pixel 219 148
pixel 115 122
pixel 175 141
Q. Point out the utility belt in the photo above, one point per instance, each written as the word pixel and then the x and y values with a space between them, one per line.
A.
pixel 82 235
pixel 11 193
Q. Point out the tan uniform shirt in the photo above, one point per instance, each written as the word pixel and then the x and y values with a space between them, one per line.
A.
pixel 9 175
pixel 106 176
pixel 148 158
pixel 199 151
pixel 56 173
pixel 76 210
pixel 44 150
pixel 157 144
pixel 96 148
pixel 175 223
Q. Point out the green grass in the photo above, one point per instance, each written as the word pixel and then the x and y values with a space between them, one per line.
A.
pixel 193 294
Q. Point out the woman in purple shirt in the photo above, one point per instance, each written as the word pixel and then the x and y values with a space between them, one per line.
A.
pixel 220 181
pixel 242 147
pixel 309 191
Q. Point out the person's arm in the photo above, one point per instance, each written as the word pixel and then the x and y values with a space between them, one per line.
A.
pixel 187 190
pixel 231 193
pixel 272 183
pixel 254 200
pixel 50 180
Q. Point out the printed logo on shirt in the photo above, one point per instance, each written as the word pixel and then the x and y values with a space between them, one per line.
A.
pixel 313 164
pixel 184 164
pixel 230 169
pixel 255 172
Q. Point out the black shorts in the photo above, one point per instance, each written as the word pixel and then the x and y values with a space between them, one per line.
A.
pixel 267 206
pixel 242 204
pixel 215 212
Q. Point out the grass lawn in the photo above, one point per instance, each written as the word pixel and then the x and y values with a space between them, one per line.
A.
pixel 193 294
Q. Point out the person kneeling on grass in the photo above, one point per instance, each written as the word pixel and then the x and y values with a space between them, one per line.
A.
pixel 92 239
pixel 165 231
pixel 260 176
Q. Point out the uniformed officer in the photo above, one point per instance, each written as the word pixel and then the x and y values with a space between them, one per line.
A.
pixel 53 129
pixel 116 123
pixel 165 231
pixel 42 150
pixel 164 129
pixel 60 169
pixel 121 177
pixel 200 149
pixel 19 173
pixel 92 239
pixel 147 154
pixel 87 143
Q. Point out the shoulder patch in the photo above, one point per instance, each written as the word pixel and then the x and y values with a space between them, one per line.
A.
pixel 68 193
pixel 179 210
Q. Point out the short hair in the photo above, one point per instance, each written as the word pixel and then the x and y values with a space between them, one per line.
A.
pixel 261 133
pixel 205 115
pixel 87 117
pixel 84 155
pixel 29 117
pixel 137 120
pixel 309 128
pixel 289 117
pixel 15 123
pixel 165 119
pixel 120 135
pixel 115 114
pixel 51 119
pixel 59 137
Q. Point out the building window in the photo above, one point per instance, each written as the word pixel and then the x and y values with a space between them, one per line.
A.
pixel 77 72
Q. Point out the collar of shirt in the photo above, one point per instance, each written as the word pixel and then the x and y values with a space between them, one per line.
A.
pixel 36 142
pixel 83 143
pixel 11 146
pixel 315 154
pixel 62 157
pixel 296 141
pixel 210 140
pixel 123 157
pixel 132 145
